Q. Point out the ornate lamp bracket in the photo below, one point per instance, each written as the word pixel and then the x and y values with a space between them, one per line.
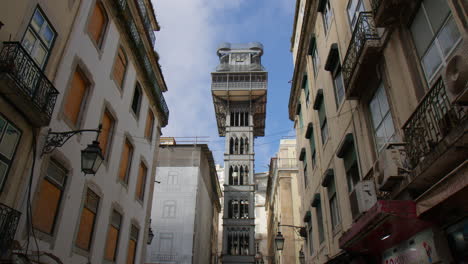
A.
pixel 57 139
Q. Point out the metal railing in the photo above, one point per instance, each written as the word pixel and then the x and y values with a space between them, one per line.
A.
pixel 146 21
pixel 432 120
pixel 239 85
pixel 364 30
pixel 9 219
pixel 29 77
pixel 141 53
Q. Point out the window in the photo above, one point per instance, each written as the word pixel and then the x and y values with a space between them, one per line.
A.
pixel 132 245
pixel 301 121
pixel 149 125
pixel 136 101
pixel 106 132
pixel 382 121
pixel 353 9
pixel 310 135
pixel 9 138
pixel 113 236
pixel 338 86
pixel 435 35
pixel 310 238
pixel 304 164
pixel 327 15
pixel 169 209
pixel 305 86
pixel 120 67
pixel 320 222
pixel 39 38
pixel 87 221
pixel 141 181
pixel 165 243
pixel 76 96
pixel 333 202
pixel 49 198
pixel 323 122
pixel 97 23
pixel 238 242
pixel 351 167
pixel 315 57
pixel 125 161
pixel 239 119
pixel 172 177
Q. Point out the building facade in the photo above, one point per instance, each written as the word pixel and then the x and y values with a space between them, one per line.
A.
pixel 186 206
pixel 379 98
pixel 80 64
pixel 239 87
pixel 283 203
pixel 261 180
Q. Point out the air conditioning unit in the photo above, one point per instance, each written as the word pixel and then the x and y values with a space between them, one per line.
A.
pixel 456 76
pixel 362 198
pixel 389 168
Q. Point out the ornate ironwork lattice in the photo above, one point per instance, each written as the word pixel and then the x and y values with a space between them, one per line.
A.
pixel 9 219
pixel 364 31
pixel 128 22
pixel 432 120
pixel 29 77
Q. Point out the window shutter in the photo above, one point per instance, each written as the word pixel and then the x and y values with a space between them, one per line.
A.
pixel 140 191
pixel 75 96
pixel 131 252
pixel 149 124
pixel 125 160
pixel 111 245
pixel 85 231
pixel 107 126
pixel 120 67
pixel 46 207
pixel 97 23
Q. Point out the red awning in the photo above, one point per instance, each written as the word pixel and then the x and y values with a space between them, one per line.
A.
pixel 387 223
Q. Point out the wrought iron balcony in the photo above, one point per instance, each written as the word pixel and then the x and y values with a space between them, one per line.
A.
pixel 146 20
pixel 434 118
pixel 25 84
pixel 9 219
pixel 128 22
pixel 362 53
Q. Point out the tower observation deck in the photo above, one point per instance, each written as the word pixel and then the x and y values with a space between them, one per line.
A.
pixel 239 90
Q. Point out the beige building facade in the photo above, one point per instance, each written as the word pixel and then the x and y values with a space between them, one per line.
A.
pixel 379 100
pixel 68 66
pixel 283 205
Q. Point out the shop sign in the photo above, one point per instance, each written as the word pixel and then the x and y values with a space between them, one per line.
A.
pixel 419 249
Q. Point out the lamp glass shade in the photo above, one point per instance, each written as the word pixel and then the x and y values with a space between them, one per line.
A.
pixel 91 158
pixel 279 241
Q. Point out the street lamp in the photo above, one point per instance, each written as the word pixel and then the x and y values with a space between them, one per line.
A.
pixel 91 156
pixel 301 256
pixel 279 241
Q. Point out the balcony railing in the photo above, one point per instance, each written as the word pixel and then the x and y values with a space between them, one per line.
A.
pixel 432 120
pixel 146 20
pixel 29 78
pixel 364 33
pixel 238 85
pixel 287 163
pixel 9 219
pixel 141 53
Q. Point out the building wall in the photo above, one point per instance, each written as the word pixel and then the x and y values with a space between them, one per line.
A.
pixel 261 238
pixel 96 64
pixel 404 84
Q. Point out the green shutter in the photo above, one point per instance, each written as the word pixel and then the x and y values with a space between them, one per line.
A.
pixel 322 114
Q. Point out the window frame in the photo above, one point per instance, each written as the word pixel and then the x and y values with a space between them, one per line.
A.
pixel 98 43
pixel 144 178
pixel 169 209
pixel 434 42
pixel 93 227
pixel 338 72
pixel 388 114
pixel 3 158
pixel 137 111
pixel 110 135
pixel 120 50
pixel 327 17
pixel 150 131
pixel 37 36
pixel 119 227
pixel 129 161
pixel 353 21
pixel 333 200
pixel 319 215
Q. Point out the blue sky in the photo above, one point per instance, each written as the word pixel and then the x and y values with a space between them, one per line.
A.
pixel 190 32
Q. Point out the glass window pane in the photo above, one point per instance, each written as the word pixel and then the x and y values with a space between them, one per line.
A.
pixel 37 21
pixel 375 112
pixel 2 126
pixel 384 108
pixel 48 35
pixel 28 41
pixel 389 128
pixel 431 61
pixel 9 141
pixel 422 35
pixel 448 36
pixel 40 55
pixel 56 173
pixel 380 137
pixel 437 11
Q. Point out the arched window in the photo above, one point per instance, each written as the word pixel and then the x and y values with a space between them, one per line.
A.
pixel 241 178
pixel 231 146
pixel 236 146
pixel 231 180
pixel 242 146
pixel 245 176
pixel 232 119
pixel 246 148
pixel 235 176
